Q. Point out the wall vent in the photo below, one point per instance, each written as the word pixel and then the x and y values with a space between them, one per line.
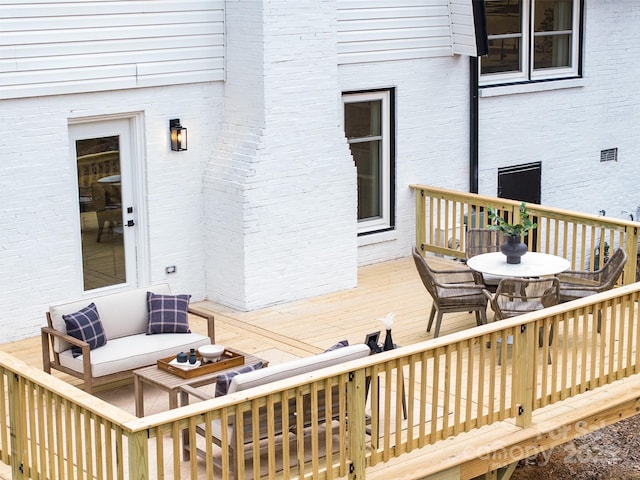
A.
pixel 609 155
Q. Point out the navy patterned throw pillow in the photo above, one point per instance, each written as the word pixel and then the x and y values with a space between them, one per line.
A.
pixel 340 344
pixel 168 313
pixel 224 379
pixel 85 325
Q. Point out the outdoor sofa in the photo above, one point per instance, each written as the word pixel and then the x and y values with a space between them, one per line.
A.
pixel 135 329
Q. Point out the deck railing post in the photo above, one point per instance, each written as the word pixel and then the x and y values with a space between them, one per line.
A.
pixel 421 218
pixel 523 375
pixel 356 420
pixel 139 455
pixel 17 427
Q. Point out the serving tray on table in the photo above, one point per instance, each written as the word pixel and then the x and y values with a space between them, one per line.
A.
pixel 228 359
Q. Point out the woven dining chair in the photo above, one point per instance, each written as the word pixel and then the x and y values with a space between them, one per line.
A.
pixel 452 290
pixel 107 213
pixel 579 284
pixel 479 241
pixel 517 296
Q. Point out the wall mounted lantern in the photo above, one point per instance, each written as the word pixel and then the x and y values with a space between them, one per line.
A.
pixel 178 135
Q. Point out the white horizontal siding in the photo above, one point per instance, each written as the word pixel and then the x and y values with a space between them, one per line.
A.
pixel 463 28
pixel 54 47
pixel 384 30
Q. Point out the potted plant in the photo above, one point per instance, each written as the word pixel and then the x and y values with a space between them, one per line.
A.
pixel 513 248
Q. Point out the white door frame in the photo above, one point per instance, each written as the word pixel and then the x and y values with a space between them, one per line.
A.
pixel 136 239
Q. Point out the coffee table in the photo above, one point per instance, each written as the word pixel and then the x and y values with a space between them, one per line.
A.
pixel 171 383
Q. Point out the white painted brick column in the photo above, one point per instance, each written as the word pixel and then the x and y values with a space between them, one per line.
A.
pixel 280 193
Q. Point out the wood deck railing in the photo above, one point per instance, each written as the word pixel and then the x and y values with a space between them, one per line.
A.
pixel 443 216
pixel 418 395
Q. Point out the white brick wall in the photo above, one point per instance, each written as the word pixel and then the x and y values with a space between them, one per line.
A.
pixel 432 140
pixel 39 252
pixel 275 217
pixel 566 129
pixel 281 210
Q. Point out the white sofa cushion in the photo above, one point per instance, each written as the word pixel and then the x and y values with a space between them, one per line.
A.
pixel 134 351
pixel 292 368
pixel 122 313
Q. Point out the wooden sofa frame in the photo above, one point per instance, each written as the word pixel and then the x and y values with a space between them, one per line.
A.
pixel 51 359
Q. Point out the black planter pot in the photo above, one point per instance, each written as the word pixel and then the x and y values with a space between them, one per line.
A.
pixel 513 249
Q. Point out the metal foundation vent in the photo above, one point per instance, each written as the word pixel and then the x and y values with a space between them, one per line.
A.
pixel 609 155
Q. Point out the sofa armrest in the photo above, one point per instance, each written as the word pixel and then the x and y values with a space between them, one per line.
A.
pixel 63 336
pixel 48 333
pixel 186 391
pixel 211 330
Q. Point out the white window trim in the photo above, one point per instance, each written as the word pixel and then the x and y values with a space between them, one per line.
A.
pixel 382 222
pixel 527 73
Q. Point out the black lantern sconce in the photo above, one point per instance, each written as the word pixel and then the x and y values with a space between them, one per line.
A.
pixel 178 135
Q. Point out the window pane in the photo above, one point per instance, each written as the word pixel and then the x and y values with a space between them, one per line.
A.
pixel 504 29
pixel 552 51
pixel 553 15
pixel 504 56
pixel 368 165
pixel 362 119
pixel 504 17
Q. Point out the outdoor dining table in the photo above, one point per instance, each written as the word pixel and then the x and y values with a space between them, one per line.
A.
pixel 532 264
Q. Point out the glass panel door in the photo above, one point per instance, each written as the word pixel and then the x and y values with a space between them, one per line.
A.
pixel 106 216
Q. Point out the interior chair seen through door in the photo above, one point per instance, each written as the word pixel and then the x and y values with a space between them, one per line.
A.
pixel 452 290
pixel 106 211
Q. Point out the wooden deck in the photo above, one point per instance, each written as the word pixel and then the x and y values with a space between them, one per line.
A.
pixel 301 328
pixel 309 326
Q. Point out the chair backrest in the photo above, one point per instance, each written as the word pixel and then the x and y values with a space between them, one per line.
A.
pixel 517 296
pixel 482 240
pixel 612 269
pixel 426 274
pixel 99 196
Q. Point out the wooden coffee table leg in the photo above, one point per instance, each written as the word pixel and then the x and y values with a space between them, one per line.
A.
pixel 173 398
pixel 138 394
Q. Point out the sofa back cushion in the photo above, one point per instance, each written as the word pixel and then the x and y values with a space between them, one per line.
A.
pixel 122 313
pixel 292 368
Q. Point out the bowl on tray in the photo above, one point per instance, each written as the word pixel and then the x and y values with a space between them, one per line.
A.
pixel 210 353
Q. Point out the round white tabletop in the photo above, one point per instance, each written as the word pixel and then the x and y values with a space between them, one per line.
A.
pixel 532 264
pixel 110 179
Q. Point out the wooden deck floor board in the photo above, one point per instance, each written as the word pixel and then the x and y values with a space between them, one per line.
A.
pixel 306 327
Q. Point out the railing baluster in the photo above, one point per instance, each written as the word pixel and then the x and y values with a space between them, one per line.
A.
pixel 453 384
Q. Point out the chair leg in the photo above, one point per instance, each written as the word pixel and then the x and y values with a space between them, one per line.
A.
pixel 499 347
pixel 100 229
pixel 541 336
pixel 431 317
pixel 438 323
pixel 481 317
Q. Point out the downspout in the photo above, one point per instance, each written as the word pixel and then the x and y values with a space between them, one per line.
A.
pixel 473 124
pixel 482 48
